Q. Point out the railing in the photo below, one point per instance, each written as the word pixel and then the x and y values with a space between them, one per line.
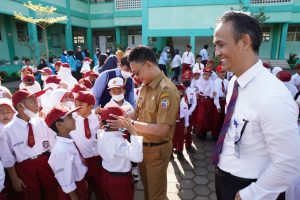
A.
pixel 270 1
pixel 128 5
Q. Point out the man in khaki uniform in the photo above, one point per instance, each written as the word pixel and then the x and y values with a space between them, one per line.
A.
pixel 156 112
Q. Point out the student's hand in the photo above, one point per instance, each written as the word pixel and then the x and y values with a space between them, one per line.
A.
pixel 73 195
pixel 18 185
pixel 122 122
pixel 237 196
pixel 98 110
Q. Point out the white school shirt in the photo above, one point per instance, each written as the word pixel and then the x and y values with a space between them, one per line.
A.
pixel 296 80
pixel 14 137
pixel 199 66
pixel 214 76
pixel 117 153
pixel 176 61
pixel 293 90
pixel 2 173
pixel 269 148
pixel 204 54
pixel 66 163
pixel 184 112
pixel 192 99
pixel 218 90
pixel 126 106
pixel 87 147
pixel 33 88
pixel 205 87
pixel 188 58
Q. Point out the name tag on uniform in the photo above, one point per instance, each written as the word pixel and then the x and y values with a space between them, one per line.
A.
pixel 236 147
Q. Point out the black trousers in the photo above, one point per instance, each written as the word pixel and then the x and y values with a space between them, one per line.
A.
pixel 228 185
pixel 176 75
pixel 163 68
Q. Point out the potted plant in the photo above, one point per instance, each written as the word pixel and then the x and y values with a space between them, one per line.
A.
pixel 16 60
pixel 292 59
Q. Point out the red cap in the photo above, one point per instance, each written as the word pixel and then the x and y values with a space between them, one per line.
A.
pixel 297 66
pixel 86 82
pixel 207 70
pixel 46 70
pixel 58 112
pixel 86 97
pixel 29 79
pixel 111 110
pixel 284 76
pixel 180 87
pixel 65 65
pixel 53 79
pixel 22 94
pixel 87 59
pixel 187 75
pixel 90 73
pixel 267 65
pixel 220 69
pixel 211 62
pixel 27 69
pixel 68 96
pixel 78 87
pixel 57 63
pixel 6 101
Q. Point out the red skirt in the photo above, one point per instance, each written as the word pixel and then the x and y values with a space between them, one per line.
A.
pixel 203 115
pixel 218 118
pixel 178 138
pixel 93 176
pixel 185 67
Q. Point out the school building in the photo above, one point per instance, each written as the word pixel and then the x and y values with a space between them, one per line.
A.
pixel 122 23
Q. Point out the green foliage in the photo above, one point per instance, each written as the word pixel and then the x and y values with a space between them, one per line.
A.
pixel 216 60
pixel 292 59
pixel 16 58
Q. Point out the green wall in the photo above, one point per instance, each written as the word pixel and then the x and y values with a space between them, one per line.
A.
pixel 4 53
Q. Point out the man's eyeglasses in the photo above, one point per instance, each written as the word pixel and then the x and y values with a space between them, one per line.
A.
pixel 139 70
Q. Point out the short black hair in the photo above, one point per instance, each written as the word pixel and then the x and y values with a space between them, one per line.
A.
pixel 205 46
pixel 54 127
pixel 198 56
pixel 142 54
pixel 244 23
pixel 27 60
pixel 124 61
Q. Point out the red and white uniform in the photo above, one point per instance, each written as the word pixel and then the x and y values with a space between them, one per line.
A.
pixel 30 162
pixel 69 168
pixel 117 154
pixel 192 103
pixel 296 80
pixel 126 106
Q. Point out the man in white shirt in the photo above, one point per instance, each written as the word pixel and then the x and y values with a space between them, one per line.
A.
pixel 257 153
pixel 204 54
pixel 188 59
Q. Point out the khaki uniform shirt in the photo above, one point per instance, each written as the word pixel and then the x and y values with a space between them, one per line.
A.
pixel 158 103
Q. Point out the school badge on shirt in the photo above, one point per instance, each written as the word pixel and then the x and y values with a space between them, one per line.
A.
pixel 46 144
pixel 165 103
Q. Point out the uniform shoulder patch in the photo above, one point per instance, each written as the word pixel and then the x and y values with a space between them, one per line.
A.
pixel 164 94
pixel 165 103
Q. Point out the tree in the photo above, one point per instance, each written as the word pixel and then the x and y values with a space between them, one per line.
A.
pixel 44 18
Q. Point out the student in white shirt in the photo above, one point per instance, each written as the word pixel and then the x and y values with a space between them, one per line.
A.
pixel 26 69
pixel 285 77
pixel 296 77
pixel 84 136
pixel 220 91
pixel 6 115
pixel 204 54
pixel 187 59
pixel 117 154
pixel 257 153
pixel 25 144
pixel 198 63
pixel 30 84
pixel 66 162
pixel 175 65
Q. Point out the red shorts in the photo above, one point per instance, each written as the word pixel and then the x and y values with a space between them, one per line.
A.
pixel 81 191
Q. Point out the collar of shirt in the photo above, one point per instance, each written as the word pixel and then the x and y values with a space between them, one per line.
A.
pixel 154 83
pixel 247 76
pixel 64 140
pixel 21 122
pixel 114 133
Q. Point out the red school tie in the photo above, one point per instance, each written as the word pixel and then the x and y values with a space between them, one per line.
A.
pixel 226 124
pixel 223 88
pixel 87 128
pixel 30 141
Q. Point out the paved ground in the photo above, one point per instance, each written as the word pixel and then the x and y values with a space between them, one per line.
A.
pixel 192 178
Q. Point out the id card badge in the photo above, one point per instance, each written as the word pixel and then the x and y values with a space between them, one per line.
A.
pixel 236 147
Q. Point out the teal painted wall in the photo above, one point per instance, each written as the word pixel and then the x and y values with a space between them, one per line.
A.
pixel 4 53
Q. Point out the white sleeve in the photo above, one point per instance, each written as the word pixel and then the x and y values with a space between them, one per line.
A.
pixel 281 132
pixel 182 60
pixel 193 60
pixel 194 103
pixel 61 164
pixel 132 151
pixel 2 176
pixel 6 153
pixel 186 119
pixel 216 98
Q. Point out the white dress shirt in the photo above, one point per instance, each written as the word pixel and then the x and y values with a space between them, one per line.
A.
pixel 203 53
pixel 199 66
pixel 214 76
pixel 36 87
pixel 117 153
pixel 184 112
pixel 269 147
pixel 188 58
pixel 296 80
pixel 66 163
pixel 87 147
pixel 192 99
pixel 292 88
pixel 2 176
pixel 176 61
pixel 218 90
pixel 126 106
pixel 203 87
pixel 14 137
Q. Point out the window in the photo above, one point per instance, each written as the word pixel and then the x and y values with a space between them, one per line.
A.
pixel 132 39
pixel 39 33
pixel 78 39
pixel 266 33
pixel 21 31
pixel 293 34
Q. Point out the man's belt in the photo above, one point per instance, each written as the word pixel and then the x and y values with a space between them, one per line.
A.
pixel 150 144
